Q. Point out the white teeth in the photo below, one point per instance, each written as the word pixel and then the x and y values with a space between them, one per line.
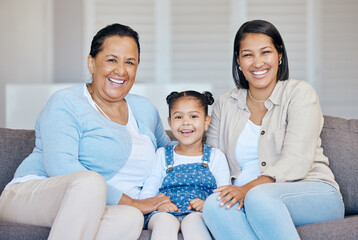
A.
pixel 260 72
pixel 116 81
pixel 186 131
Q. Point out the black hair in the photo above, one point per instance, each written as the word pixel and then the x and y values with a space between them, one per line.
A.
pixel 115 29
pixel 205 99
pixel 264 27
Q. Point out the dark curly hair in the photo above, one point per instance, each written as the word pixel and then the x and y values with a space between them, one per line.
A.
pixel 205 99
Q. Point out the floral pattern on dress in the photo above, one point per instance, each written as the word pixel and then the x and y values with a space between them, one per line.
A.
pixel 186 182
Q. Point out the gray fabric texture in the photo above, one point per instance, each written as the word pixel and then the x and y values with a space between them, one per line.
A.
pixel 147 233
pixel 345 229
pixel 15 146
pixel 340 144
pixel 339 141
pixel 12 231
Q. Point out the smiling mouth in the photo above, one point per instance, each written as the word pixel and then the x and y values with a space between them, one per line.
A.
pixel 116 81
pixel 260 72
pixel 186 131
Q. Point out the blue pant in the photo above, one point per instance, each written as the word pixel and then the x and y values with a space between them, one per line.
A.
pixel 273 210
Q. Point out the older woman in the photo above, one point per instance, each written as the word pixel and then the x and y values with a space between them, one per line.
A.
pixel 269 128
pixel 94 146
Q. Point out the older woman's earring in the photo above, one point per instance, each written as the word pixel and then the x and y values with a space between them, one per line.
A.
pixel 240 68
pixel 280 61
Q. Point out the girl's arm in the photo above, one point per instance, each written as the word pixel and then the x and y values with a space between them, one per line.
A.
pixel 149 200
pixel 219 167
pixel 153 182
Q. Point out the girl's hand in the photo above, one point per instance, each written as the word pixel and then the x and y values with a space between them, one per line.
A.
pixel 196 204
pixel 147 205
pixel 231 194
pixel 168 207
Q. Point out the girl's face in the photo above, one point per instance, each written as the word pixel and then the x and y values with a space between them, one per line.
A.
pixel 259 60
pixel 188 121
pixel 114 68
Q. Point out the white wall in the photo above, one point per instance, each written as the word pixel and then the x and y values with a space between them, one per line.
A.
pixel 68 40
pixel 25 44
pixel 183 41
pixel 22 113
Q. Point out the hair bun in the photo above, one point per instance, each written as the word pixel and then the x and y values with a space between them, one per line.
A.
pixel 208 97
pixel 171 97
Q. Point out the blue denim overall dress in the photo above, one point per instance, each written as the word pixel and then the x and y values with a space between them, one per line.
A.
pixel 186 182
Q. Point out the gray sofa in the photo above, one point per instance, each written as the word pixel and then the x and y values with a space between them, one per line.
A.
pixel 339 140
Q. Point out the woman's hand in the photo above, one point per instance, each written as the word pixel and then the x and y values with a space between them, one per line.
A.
pixel 147 205
pixel 168 207
pixel 231 194
pixel 196 204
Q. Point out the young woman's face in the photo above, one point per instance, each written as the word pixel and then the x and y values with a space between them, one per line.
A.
pixel 188 121
pixel 114 68
pixel 259 60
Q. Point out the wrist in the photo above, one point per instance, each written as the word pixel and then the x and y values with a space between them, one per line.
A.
pixel 126 200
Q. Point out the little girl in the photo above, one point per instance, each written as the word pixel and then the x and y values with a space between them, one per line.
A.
pixel 186 172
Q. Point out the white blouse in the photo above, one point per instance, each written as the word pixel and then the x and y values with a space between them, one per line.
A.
pixel 247 154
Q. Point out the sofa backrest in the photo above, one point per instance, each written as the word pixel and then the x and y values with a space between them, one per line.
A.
pixel 15 146
pixel 340 145
pixel 339 141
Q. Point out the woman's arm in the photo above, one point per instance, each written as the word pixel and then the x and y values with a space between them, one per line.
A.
pixel 60 134
pixel 147 205
pixel 304 125
pixel 232 194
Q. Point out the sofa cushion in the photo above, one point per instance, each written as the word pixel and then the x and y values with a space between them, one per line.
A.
pixel 340 144
pixel 23 232
pixel 341 229
pixel 15 146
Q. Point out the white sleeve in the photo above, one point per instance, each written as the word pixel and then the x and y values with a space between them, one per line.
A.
pixel 219 167
pixel 154 181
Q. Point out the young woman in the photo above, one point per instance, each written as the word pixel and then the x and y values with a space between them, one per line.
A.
pixel 269 129
pixel 186 172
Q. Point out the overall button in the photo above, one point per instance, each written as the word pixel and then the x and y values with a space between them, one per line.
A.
pixel 262 132
pixel 263 164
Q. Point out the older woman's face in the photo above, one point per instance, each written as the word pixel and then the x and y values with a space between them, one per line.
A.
pixel 114 68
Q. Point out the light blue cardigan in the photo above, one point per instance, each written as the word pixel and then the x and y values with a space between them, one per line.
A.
pixel 72 136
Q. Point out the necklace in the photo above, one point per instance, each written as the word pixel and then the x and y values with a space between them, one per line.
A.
pixel 259 101
pixel 101 110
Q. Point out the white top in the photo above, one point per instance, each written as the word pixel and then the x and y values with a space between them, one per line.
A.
pixel 217 165
pixel 247 154
pixel 130 178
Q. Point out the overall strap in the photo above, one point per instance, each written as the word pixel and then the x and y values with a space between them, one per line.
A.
pixel 169 157
pixel 206 155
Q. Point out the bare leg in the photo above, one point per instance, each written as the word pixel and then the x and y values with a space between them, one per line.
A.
pixel 194 228
pixel 164 226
